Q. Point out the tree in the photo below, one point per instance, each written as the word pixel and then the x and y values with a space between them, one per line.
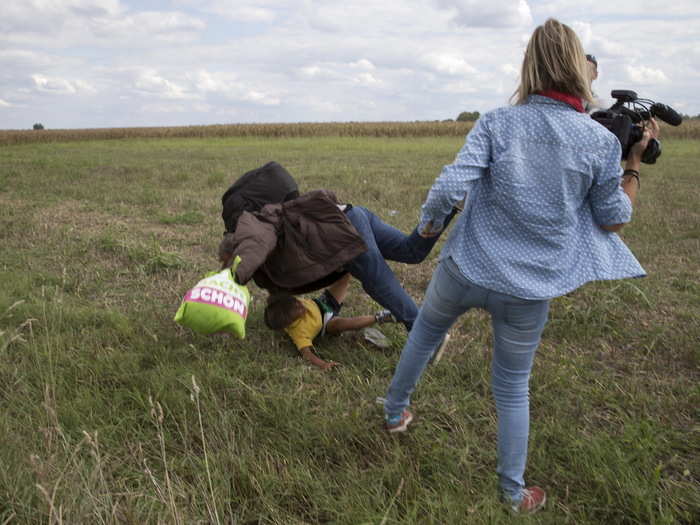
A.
pixel 38 125
pixel 468 116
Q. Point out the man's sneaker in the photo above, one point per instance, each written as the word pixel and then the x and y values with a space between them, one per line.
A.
pixel 384 316
pixel 533 500
pixel 399 424
pixel 437 355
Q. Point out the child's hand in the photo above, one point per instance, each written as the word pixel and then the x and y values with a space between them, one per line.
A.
pixel 308 354
pixel 327 365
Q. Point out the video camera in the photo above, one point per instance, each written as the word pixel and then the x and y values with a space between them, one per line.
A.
pixel 628 111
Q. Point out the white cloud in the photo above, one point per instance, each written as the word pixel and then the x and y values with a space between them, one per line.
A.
pixel 24 58
pixel 241 10
pixel 494 13
pixel 460 87
pixel 611 48
pixel 206 82
pixel 149 82
pixel 639 9
pixel 249 14
pixel 584 32
pixel 366 79
pixel 509 70
pixel 61 86
pixel 91 23
pixel 448 63
pixel 42 16
pixel 163 108
pixel 84 87
pixel 260 98
pixel 84 7
pixel 147 25
pixel 231 88
pixel 325 107
pixel 312 71
pixel 646 75
pixel 363 63
pixel 53 85
pixel 342 72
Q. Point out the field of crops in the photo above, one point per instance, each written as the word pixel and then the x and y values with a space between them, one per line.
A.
pixel 688 130
pixel 338 129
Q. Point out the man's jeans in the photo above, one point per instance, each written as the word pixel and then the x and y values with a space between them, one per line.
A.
pixel 517 326
pixel 384 243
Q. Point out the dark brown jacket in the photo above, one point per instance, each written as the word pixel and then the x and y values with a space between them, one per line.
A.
pixel 297 246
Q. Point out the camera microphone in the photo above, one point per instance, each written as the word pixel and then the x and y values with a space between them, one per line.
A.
pixel 666 113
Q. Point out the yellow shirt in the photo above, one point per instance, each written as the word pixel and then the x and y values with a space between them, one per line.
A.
pixel 307 327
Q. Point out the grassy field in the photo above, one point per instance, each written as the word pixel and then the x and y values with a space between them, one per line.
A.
pixel 112 413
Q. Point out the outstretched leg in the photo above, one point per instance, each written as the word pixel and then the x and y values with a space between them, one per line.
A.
pixel 393 244
pixel 370 268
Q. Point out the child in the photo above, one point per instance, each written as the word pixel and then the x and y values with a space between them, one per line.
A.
pixel 304 319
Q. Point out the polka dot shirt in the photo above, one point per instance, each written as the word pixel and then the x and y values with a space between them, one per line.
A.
pixel 539 180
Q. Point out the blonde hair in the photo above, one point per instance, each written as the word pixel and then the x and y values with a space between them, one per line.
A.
pixel 554 59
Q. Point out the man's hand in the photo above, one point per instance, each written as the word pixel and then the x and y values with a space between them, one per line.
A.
pixel 226 261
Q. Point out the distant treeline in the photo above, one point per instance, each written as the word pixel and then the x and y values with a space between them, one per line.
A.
pixel 452 128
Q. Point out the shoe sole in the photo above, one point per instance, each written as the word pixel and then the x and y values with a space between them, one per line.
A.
pixel 440 351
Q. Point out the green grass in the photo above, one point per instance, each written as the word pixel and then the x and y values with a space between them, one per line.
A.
pixel 112 413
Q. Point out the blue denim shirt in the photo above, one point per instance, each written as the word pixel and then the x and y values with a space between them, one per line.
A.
pixel 539 179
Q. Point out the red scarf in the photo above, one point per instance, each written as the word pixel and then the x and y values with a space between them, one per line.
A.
pixel 571 100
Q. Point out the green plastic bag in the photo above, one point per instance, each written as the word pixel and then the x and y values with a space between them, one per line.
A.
pixel 216 304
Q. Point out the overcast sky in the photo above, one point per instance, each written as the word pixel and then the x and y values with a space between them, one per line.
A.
pixel 114 63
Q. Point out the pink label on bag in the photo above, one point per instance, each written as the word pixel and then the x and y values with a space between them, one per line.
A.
pixel 216 297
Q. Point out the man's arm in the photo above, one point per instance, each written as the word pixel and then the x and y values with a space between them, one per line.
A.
pixel 253 241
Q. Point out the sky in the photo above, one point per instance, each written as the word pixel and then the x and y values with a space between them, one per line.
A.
pixel 122 63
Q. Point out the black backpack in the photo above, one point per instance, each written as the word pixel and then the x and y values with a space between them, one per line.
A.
pixel 269 184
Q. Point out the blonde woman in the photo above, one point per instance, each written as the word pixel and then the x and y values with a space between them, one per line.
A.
pixel 545 194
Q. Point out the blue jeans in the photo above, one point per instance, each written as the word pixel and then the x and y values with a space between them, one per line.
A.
pixel 517 327
pixel 384 243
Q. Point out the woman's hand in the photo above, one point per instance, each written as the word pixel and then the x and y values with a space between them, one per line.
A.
pixel 630 181
pixel 426 233
pixel 651 131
